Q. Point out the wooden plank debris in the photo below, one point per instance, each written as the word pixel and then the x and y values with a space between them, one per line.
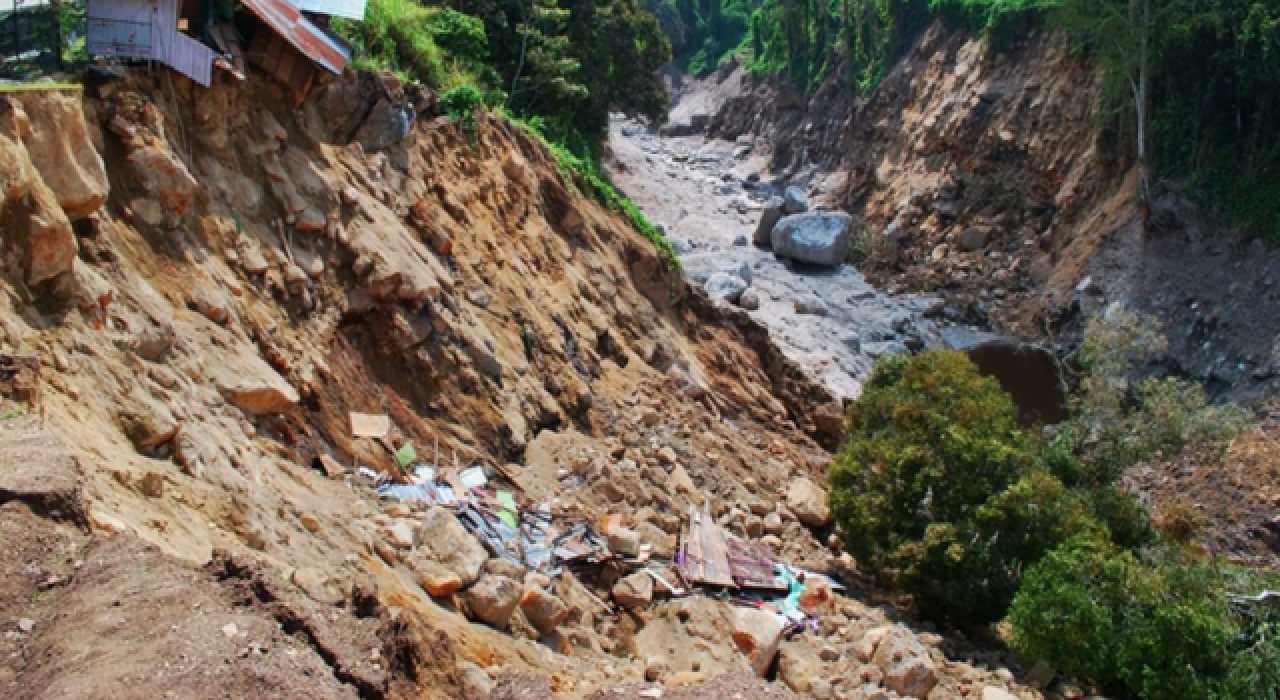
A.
pixel 704 553
pixel 368 425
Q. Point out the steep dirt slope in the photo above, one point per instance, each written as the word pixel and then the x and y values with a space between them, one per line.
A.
pixel 211 280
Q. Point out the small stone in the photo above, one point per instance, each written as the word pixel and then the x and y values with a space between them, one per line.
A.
pixel 750 299
pixel 400 535
pixel 820 688
pixel 991 692
pixel 812 305
pixel 634 591
pixel 544 611
pixel 655 668
pixel 493 599
pixel 26 624
pixel 624 541
pixel 230 630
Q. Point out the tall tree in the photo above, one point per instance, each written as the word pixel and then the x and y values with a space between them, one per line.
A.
pixel 1125 36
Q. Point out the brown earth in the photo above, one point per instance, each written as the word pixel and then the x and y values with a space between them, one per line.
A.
pixel 238 279
pixel 1236 497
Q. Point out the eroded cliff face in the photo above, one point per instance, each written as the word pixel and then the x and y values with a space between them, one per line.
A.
pixel 211 285
pixel 981 176
pixel 976 165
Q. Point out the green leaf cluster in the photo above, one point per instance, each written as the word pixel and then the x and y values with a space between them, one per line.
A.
pixel 1157 623
pixel 942 492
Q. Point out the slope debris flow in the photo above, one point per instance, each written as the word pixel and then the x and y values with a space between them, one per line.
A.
pixel 299 404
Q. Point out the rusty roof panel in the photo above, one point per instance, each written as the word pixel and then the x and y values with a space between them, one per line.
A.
pixel 313 42
pixel 351 9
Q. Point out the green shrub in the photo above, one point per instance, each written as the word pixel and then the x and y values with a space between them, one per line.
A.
pixel 1160 627
pixel 461 103
pixel 938 489
pixel 458 33
pixel 1116 424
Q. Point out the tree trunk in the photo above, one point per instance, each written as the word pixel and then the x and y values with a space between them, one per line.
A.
pixel 1140 103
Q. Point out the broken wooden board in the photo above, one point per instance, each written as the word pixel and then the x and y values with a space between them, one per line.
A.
pixel 705 555
pixel 368 425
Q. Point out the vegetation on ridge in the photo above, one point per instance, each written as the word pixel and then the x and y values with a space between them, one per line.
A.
pixel 556 67
pixel 1191 86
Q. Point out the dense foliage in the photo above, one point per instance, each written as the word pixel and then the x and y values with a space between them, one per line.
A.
pixel 1158 623
pixel 940 491
pixel 944 493
pixel 565 62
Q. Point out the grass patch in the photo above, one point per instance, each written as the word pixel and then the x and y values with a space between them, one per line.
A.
pixel 37 87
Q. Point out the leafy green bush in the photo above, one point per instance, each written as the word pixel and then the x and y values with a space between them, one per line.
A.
pixel 458 33
pixel 1160 627
pixel 938 489
pixel 461 103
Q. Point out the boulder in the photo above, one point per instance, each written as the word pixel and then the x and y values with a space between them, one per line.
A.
pixel 992 692
pixel 384 126
pixel 722 285
pixel 816 238
pixel 809 503
pixel 773 211
pixel 53 246
pixel 544 611
pixel 795 201
pixel 446 541
pixel 253 386
pixel 147 422
pixel 905 662
pixel 750 299
pixel 634 590
pixel 757 634
pixel 493 599
pixel 58 142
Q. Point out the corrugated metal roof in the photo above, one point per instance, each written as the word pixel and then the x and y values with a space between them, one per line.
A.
pixel 314 43
pixel 351 9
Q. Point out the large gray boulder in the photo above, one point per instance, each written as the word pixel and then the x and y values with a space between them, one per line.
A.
pixel 773 211
pixel 817 238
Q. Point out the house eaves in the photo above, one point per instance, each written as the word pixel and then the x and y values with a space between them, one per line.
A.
pixel 349 9
pixel 315 43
